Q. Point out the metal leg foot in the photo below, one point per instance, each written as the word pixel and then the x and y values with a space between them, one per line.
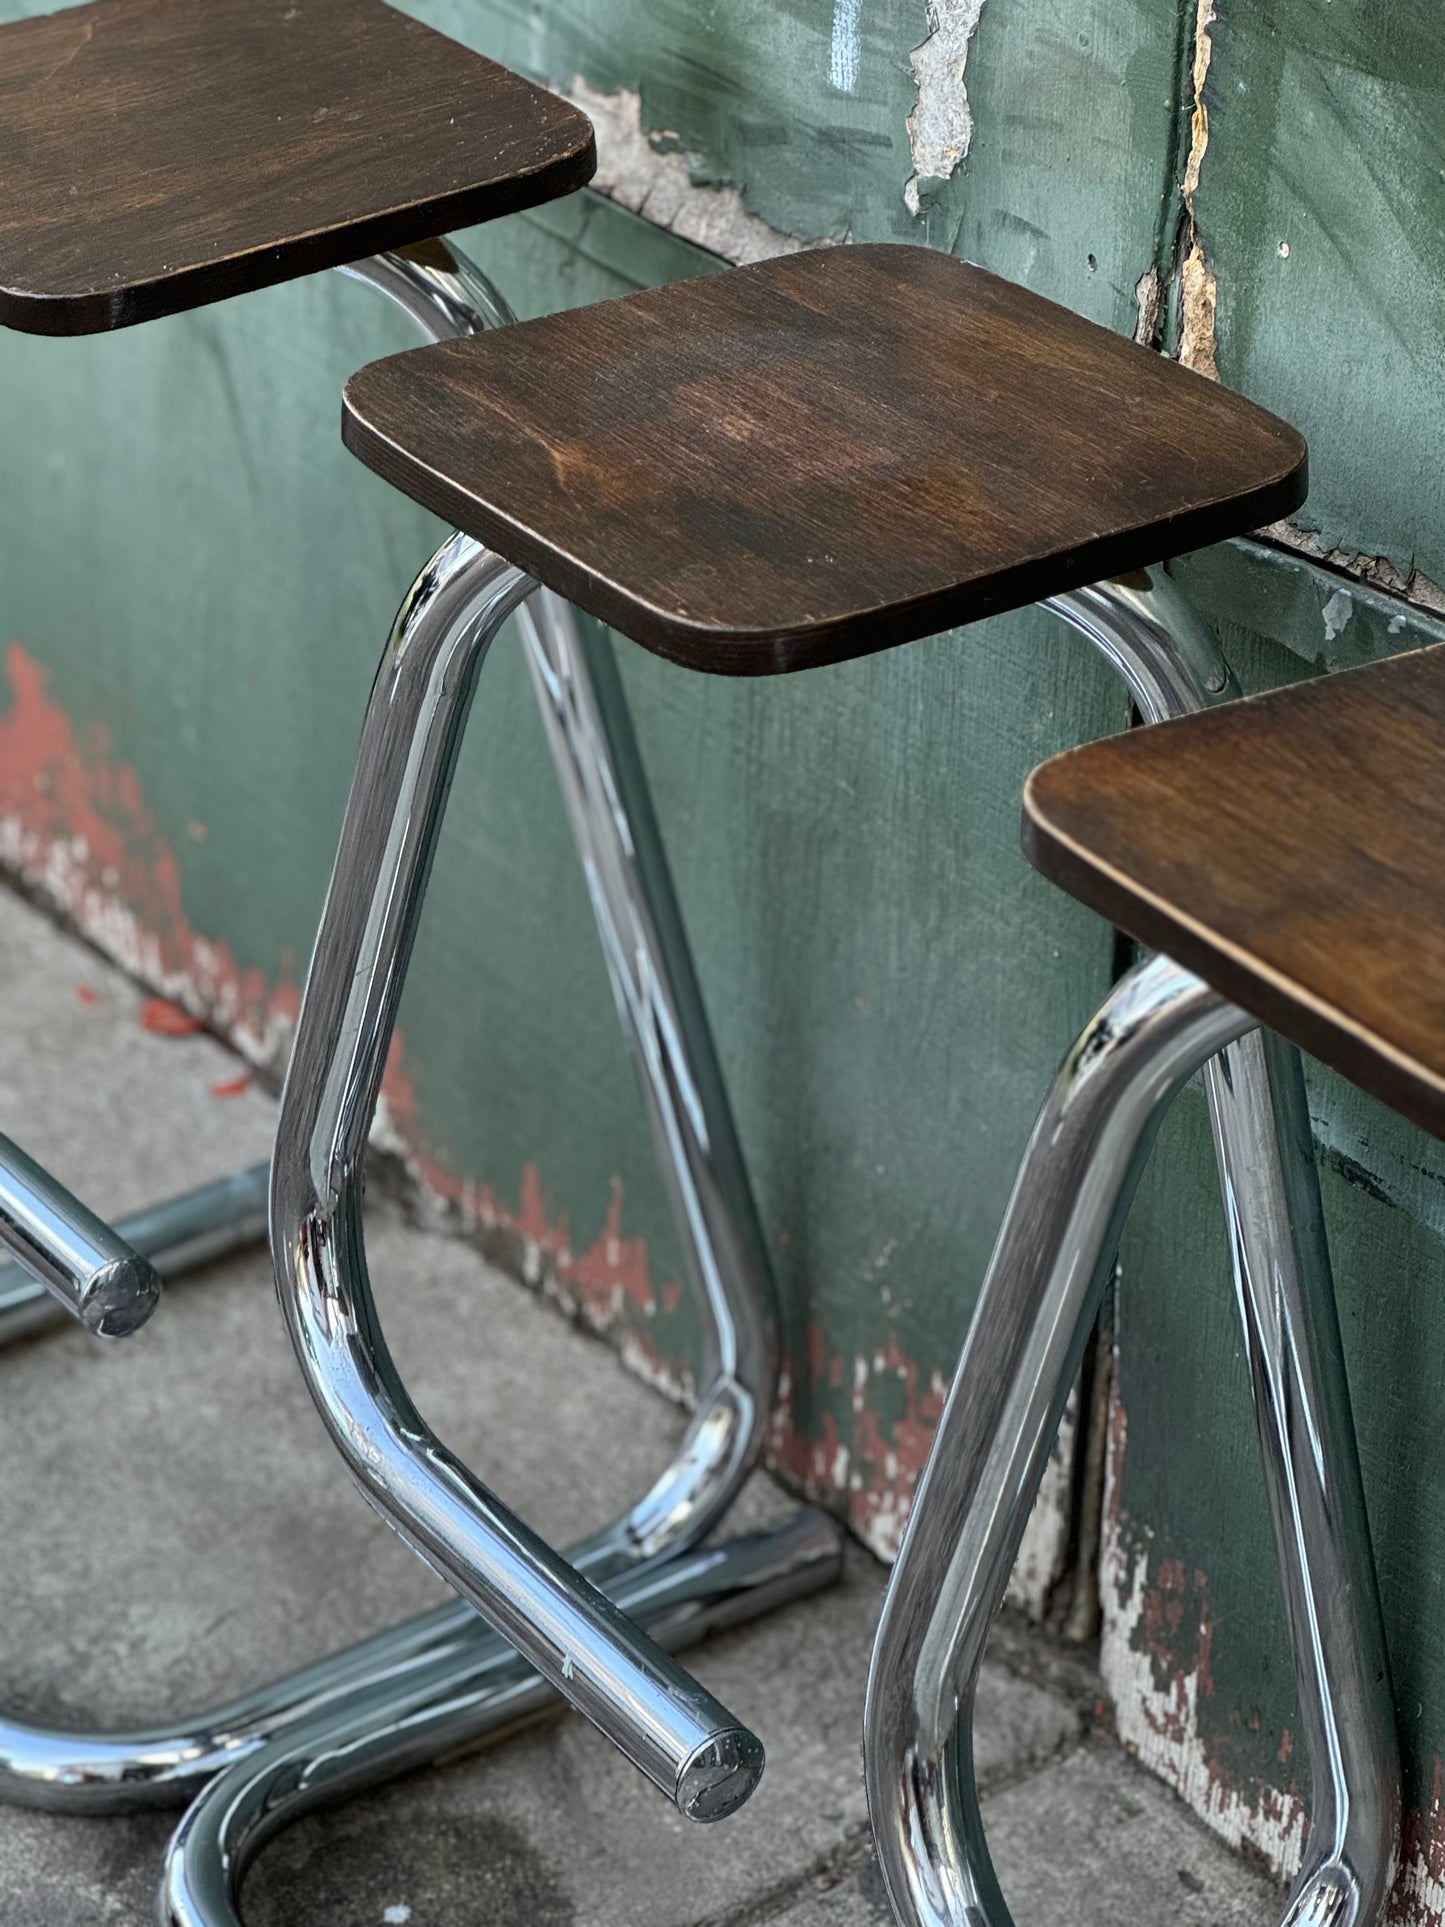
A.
pixel 85 1267
pixel 176 1237
pixel 479 1690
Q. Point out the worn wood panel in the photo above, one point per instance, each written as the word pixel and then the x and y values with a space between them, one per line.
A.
pixel 819 456
pixel 1287 848
pixel 277 139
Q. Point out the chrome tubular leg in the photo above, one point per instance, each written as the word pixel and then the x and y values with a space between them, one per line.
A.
pixel 178 1236
pixel 87 1268
pixel 1039 1301
pixel 166 1764
pixel 666 1724
pixel 589 732
pixel 1285 1288
pixel 458 1698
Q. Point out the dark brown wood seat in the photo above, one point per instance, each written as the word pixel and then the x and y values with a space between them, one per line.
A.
pixel 1290 850
pixel 819 456
pixel 161 154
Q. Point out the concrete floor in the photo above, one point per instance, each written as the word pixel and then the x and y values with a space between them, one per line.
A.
pixel 175 1529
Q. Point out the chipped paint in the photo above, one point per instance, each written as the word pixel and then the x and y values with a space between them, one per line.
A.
pixel 940 127
pixel 1198 290
pixel 1377 570
pixel 1336 614
pixel 658 185
pixel 1155 1656
pixel 75 828
pixel 878 1465
pixel 1149 306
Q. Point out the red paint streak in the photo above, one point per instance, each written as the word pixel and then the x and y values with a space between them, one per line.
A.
pixel 1175 1629
pixel 165 1019
pixel 876 1469
pixel 232 1086
pixel 75 825
pixel 88 995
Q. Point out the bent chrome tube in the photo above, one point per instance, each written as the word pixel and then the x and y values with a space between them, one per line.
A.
pixel 179 1236
pixel 124 1771
pixel 458 1699
pixel 649 963
pixel 1285 1290
pixel 661 1719
pixel 87 1268
pixel 1039 1301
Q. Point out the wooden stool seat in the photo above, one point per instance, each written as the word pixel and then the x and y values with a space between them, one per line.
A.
pixel 821 455
pixel 157 155
pixel 1290 850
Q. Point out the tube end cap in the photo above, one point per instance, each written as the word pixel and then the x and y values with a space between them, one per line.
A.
pixel 120 1297
pixel 721 1775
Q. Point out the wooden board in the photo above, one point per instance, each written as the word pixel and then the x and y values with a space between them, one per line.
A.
pixel 160 154
pixel 821 455
pixel 1288 848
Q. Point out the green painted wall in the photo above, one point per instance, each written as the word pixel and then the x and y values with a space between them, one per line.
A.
pixel 196 580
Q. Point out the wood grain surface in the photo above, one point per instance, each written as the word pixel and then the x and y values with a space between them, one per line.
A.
pixel 157 155
pixel 821 455
pixel 1291 850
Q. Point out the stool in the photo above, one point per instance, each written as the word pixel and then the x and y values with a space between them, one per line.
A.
pixel 1283 854
pixel 784 465
pixel 156 155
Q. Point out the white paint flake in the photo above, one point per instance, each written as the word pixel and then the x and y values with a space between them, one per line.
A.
pixel 1158 1718
pixel 632 172
pixel 940 128
pixel 1336 613
pixel 1198 292
pixel 843 55
pixel 398 1915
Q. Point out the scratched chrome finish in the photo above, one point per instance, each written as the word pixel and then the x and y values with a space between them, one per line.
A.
pixel 179 1236
pixel 123 1771
pixel 1039 1300
pixel 670 1727
pixel 88 1269
pixel 458 1698
pixel 1285 1289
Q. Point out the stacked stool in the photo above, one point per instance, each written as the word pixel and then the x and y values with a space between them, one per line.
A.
pixel 159 155
pixel 1284 856
pixel 783 466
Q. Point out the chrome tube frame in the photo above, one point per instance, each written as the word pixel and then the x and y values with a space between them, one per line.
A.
pixel 1284 1286
pixel 654 982
pixel 88 1268
pixel 1039 1301
pixel 670 1727
pixel 461 1697
pixel 1023 1350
